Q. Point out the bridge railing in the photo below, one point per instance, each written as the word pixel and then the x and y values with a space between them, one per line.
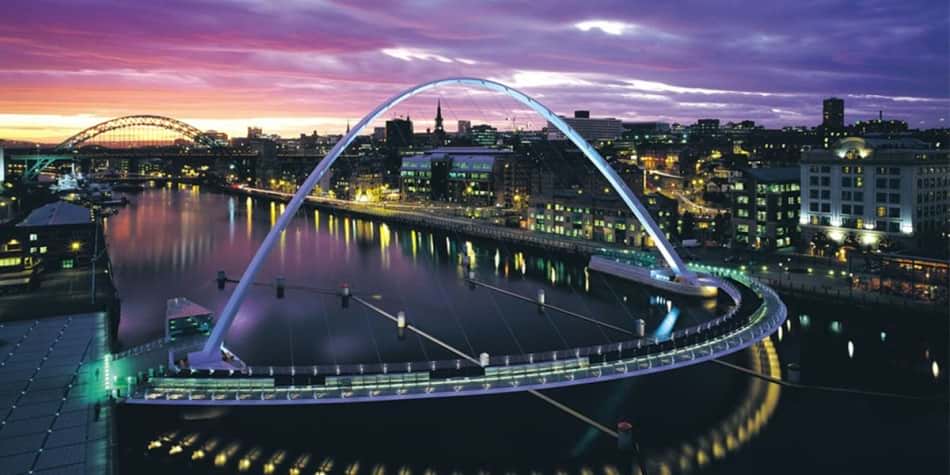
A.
pixel 502 365
pixel 494 379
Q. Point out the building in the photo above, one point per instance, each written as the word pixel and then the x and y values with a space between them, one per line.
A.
pixel 471 176
pixel 706 127
pixel 592 130
pixel 464 128
pixel 18 268
pixel 472 179
pixel 484 135
pixel 589 208
pixel 880 126
pixel 438 134
pixel 585 216
pixel 832 113
pixel 765 207
pixel 220 138
pixel 832 121
pixel 646 128
pixel 424 178
pixel 873 193
pixel 379 134
pixel 255 133
pixel 61 233
pixel 399 133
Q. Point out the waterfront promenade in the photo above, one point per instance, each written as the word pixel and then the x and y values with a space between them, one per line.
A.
pixel 54 415
pixel 826 281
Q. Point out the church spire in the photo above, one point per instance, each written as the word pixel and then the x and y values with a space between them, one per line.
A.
pixel 439 130
pixel 438 115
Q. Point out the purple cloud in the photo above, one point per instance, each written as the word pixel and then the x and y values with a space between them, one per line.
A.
pixel 241 60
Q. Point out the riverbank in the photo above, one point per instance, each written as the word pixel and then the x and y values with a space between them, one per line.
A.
pixel 68 292
pixel 464 226
pixel 812 287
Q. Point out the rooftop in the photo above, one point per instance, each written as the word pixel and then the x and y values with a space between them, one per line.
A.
pixel 774 174
pixel 472 162
pixel 59 213
pixel 467 151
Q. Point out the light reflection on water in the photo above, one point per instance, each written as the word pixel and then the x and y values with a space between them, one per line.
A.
pixel 171 243
pixel 180 241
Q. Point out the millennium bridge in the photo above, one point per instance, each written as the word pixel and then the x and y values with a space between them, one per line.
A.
pixel 203 371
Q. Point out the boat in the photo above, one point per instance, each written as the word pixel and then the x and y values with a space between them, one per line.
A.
pixel 128 187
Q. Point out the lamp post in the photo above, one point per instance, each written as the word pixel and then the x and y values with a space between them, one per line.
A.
pixel 95 253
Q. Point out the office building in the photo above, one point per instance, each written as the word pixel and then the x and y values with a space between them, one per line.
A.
pixel 399 133
pixel 484 135
pixel 592 130
pixel 61 233
pixel 832 121
pixel 765 207
pixel 471 176
pixel 873 193
pixel 832 113
pixel 464 128
pixel 880 126
pixel 706 127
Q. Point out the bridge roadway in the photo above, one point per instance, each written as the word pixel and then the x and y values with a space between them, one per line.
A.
pixel 257 386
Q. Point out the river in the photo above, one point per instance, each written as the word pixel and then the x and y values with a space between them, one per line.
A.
pixel 172 240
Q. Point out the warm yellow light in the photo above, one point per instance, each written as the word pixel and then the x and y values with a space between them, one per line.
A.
pixel 75 245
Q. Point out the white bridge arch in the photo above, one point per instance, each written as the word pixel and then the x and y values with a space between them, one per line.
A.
pixel 211 350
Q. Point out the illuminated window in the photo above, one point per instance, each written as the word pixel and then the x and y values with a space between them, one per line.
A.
pixel 33 237
pixel 10 261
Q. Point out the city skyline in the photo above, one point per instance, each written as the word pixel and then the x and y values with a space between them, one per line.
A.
pixel 229 65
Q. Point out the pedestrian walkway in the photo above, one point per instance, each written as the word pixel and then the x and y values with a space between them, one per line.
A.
pixel 53 418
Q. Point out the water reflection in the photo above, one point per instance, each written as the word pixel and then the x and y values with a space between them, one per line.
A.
pixel 173 240
pixel 157 256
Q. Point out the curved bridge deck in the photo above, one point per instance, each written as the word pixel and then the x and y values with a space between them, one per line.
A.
pixel 397 381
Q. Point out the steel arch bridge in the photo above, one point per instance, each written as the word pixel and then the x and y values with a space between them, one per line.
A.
pixel 210 353
pixel 134 121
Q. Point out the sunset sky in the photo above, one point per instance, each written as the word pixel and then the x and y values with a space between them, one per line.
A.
pixel 298 65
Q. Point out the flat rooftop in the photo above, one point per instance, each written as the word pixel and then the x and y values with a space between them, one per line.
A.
pixel 59 213
pixel 48 388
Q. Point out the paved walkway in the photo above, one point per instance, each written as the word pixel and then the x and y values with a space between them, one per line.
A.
pixel 50 380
